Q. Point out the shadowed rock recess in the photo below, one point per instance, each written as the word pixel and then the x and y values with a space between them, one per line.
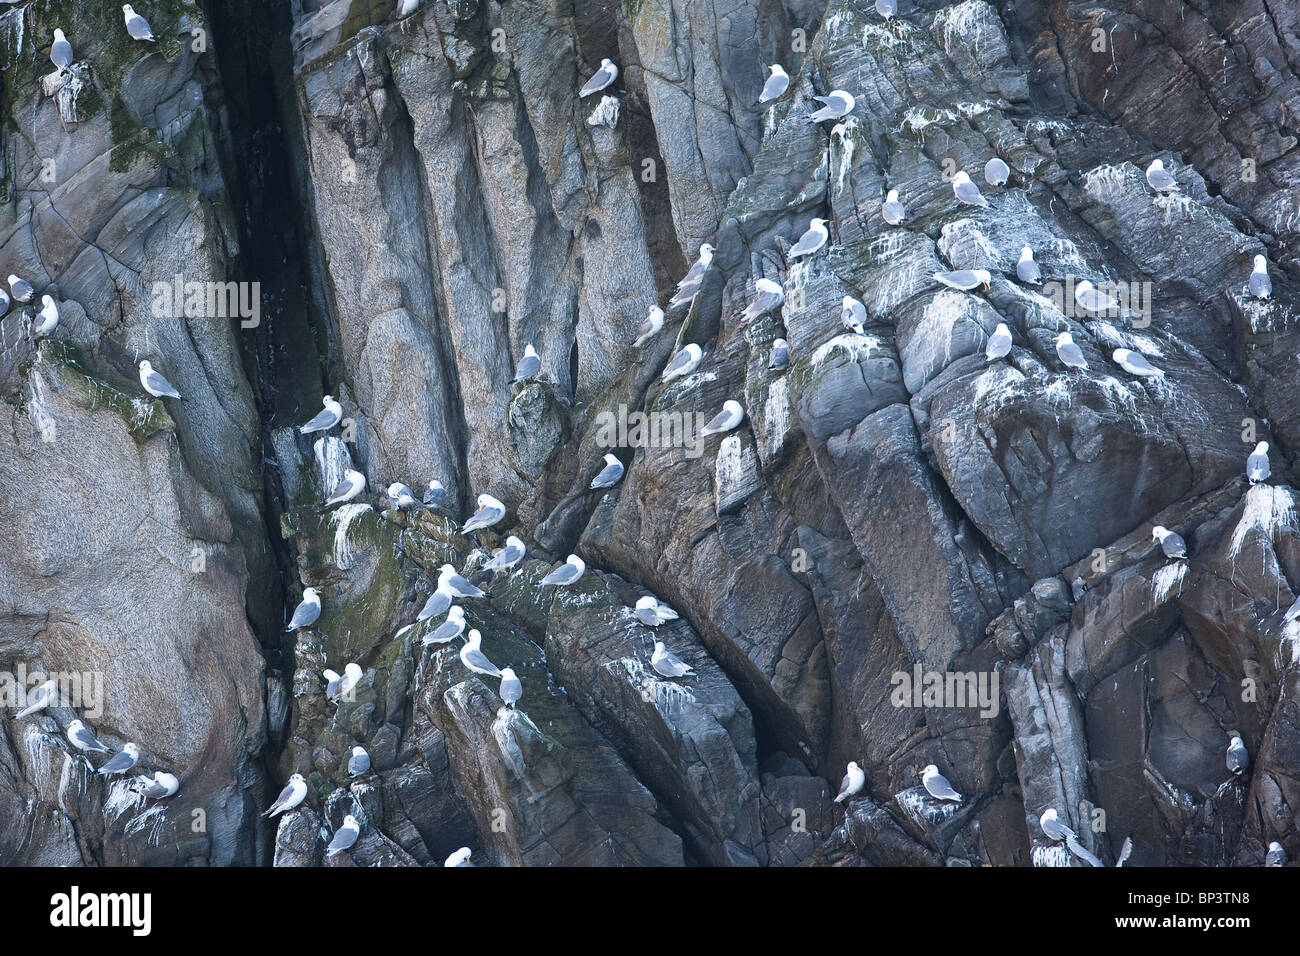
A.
pixel 895 522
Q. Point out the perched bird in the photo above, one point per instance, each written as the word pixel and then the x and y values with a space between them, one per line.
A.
pixel 853 782
pixel 154 383
pixel 454 584
pixel 528 366
pixel 307 611
pixel 1171 543
pixel 770 296
pixel 1276 856
pixel 965 279
pixel 779 357
pixel 1092 299
pixel 852 314
pixel 811 241
pixel 326 418
pixel 937 785
pixel 966 191
pixel 654 321
pixel 996 172
pixel 337 687
pixel 683 363
pixel 359 762
pixel 61 52
pixel 1238 758
pixel 406 7
pixel 121 762
pixel 1257 463
pixel 459 858
pixel 1069 353
pixel 401 497
pixel 490 511
pixel 652 612
pixel 1027 270
pixel 294 792
pixel 439 602
pixel 887 8
pixel 507 557
pixel 1158 179
pixel 435 494
pixel 1135 363
pixel 344 836
pixel 350 485
pixel 136 25
pixel 1058 832
pixel 777 83
pixel 566 573
pixel 472 656
pixel 21 289
pixel 668 664
pixel 731 415
pixel 892 210
pixel 603 77
pixel 610 475
pixel 511 688
pixel 690 284
pixel 1260 285
pixel 999 343
pixel 4 301
pixel 836 105
pixel 79 736
pixel 48 693
pixel 162 785
pixel 448 630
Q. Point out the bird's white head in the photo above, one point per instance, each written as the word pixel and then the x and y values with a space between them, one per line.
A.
pixel 394 489
pixel 606 61
pixel 145 366
pixel 706 253
pixel 358 751
pixel 513 542
pixel 1261 448
pixel 646 603
pixel 12 278
pixel 76 725
pixel 507 673
pixel 326 399
pixel 777 70
pixel 474 639
pixel 576 562
pixel 46 301
pixel 487 501
pixel 297 778
pixel 1261 264
pixel 1026 254
pixel 530 351
pixel 456 613
pixel 769 286
pixel 131 749
pixel 611 459
pixel 58 35
pixel 961 177
pixel 445 570
pixel 930 770
pixel 853 765
pixel 1159 533
pixel 781 344
pixel 1157 164
pixel 351 821
pixel 732 406
pixel 309 594
pixel 659 647
pixel 817 223
pixel 891 196
pixel 984 276
pixel 1064 338
pixel 435 485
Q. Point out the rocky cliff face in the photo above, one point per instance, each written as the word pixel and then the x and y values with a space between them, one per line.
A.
pixel 418 198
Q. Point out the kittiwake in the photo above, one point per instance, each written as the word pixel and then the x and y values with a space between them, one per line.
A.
pixel 528 366
pixel 853 782
pixel 294 792
pixel 811 241
pixel 1027 270
pixel 1135 363
pixel 48 693
pixel 996 172
pixel 1171 543
pixel 79 736
pixel 683 363
pixel 136 25
pixel 1260 285
pixel 61 52
pixel 1070 354
pixel 435 494
pixel 610 475
pixel 652 612
pixel 937 785
pixel 121 762
pixel 853 314
pixel 472 656
pixel 154 383
pixel 1238 759
pixel 490 511
pixel 836 105
pixel 731 415
pixel 21 289
pixel 566 573
pixel 307 611
pixel 779 357
pixel 344 836
pixel 448 630
pixel 359 762
pixel 1160 180
pixel 1257 463
pixel 770 296
pixel 690 284
pixel 350 485
pixel 654 321
pixel 329 416
pixel 966 191
pixel 511 688
pixel 668 664
pixel 777 83
pixel 965 279
pixel 602 78
pixel 892 210
pixel 999 343
pixel 508 556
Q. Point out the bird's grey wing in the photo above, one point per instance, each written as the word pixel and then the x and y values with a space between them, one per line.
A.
pixel 780 356
pixel 438 603
pixel 679 362
pixel 807 243
pixel 121 761
pixel 285 796
pixel 608 475
pixel 434 498
pixel 1261 286
pixel 443 632
pixel 596 83
pixel 479 659
pixel 773 88
pixel 344 837
pixel 717 421
pixel 159 384
pixel 528 367
pixel 970 193
pixel 844 784
pixel 342 488
pixel 1028 272
pixel 1071 354
pixel 305 614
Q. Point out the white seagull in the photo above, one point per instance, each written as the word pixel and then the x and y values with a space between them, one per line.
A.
pixel 1171 543
pixel 683 363
pixel 154 383
pixel 690 284
pixel 507 557
pixel 490 511
pixel 937 785
pixel 79 736
pixel 1135 363
pixel 1058 832
pixel 777 83
pixel 811 241
pixel 329 416
pixel 472 656
pixel 610 475
pixel 603 77
pixel 1276 855
pixel 779 357
pixel 401 497
pixel 966 191
pixel 528 366
pixel 999 343
pixel 996 172
pixel 1027 269
pixel 1069 353
pixel 1238 758
pixel 452 583
pixel 435 494
pixel 511 688
pixel 837 105
pixel 337 687
pixel 566 573
pixel 459 858
pixel 1260 285
pixel 450 629
pixel 61 52
pixel 162 785
pixel 731 415
pixel 1257 463
pixel 853 782
pixel 652 612
pixel 654 321
pixel 965 279
pixel 359 762
pixel 40 698
pixel 887 9
pixel 21 289
pixel 892 210
pixel 853 314
pixel 770 296
pixel 668 664
pixel 307 611
pixel 350 485
pixel 344 836
pixel 121 762
pixel 294 792
pixel 1093 299
pixel 136 25
pixel 1158 179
